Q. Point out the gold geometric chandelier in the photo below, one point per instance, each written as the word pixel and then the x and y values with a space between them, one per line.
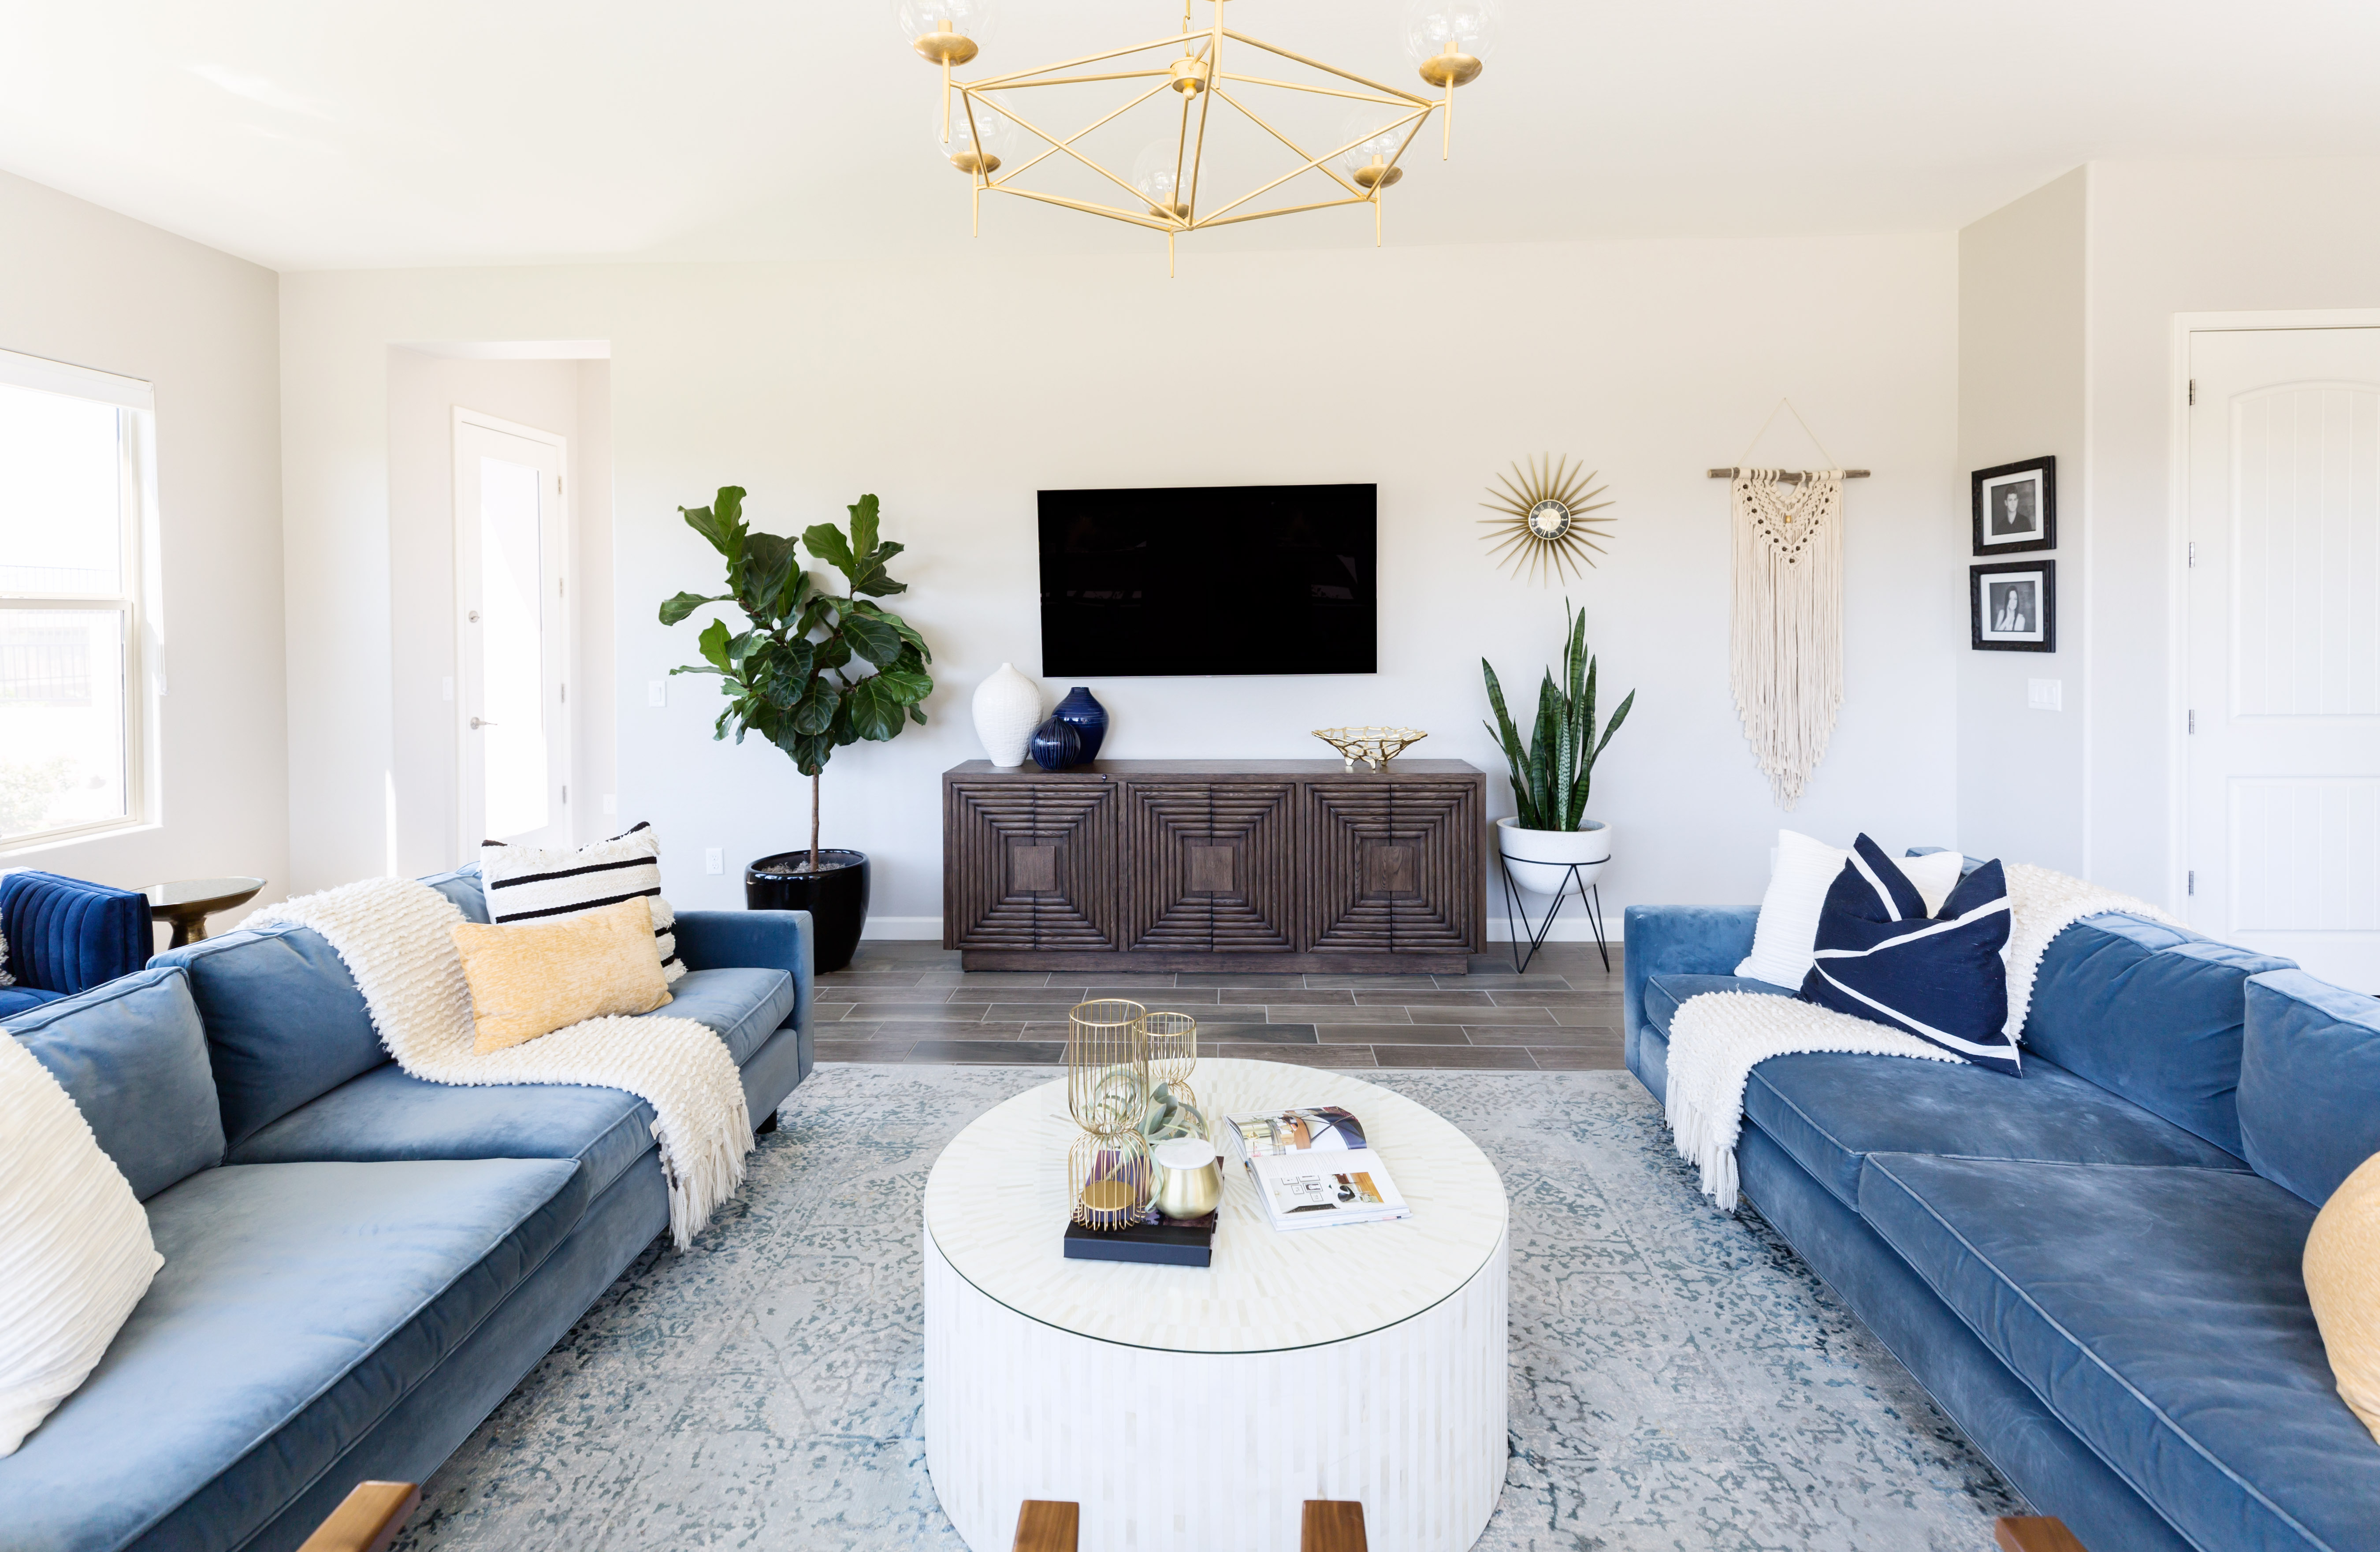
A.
pixel 1185 96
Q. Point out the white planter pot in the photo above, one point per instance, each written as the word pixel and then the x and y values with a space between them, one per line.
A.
pixel 1541 859
pixel 1007 709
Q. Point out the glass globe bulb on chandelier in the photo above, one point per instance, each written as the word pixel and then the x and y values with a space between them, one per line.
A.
pixel 944 32
pixel 1449 42
pixel 1209 82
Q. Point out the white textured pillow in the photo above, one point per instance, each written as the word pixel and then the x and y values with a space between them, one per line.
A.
pixel 1805 869
pixel 531 884
pixel 75 1251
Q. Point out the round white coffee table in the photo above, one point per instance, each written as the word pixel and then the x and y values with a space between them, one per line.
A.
pixel 1197 1408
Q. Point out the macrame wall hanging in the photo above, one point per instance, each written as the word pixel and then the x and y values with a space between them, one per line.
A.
pixel 1786 629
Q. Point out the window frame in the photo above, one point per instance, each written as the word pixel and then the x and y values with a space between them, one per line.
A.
pixel 136 435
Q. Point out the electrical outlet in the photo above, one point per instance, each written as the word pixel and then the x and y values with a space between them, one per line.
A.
pixel 610 803
pixel 715 859
pixel 656 692
pixel 2044 695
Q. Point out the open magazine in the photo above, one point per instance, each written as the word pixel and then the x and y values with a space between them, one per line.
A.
pixel 1312 1168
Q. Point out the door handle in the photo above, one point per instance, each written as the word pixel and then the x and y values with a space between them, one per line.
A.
pixel 479 722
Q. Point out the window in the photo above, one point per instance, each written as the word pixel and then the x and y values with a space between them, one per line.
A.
pixel 74 521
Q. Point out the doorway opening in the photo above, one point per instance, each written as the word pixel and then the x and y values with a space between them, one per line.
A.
pixel 513 646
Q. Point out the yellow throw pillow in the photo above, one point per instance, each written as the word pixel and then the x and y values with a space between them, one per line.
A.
pixel 528 981
pixel 2342 1279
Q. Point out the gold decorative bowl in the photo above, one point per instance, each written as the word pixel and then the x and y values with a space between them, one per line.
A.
pixel 1374 746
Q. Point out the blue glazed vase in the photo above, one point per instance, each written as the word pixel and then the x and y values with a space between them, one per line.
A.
pixel 1056 744
pixel 1089 719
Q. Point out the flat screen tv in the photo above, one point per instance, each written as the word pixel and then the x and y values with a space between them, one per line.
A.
pixel 1210 579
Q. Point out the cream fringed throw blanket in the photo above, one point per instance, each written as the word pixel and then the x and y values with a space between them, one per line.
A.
pixel 1785 634
pixel 1717 1038
pixel 396 937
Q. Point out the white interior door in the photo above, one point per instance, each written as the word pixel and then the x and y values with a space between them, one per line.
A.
pixel 513 649
pixel 2284 768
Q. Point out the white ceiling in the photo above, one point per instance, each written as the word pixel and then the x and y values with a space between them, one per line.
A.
pixel 313 134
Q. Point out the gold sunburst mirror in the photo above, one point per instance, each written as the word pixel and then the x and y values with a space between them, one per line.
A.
pixel 1545 531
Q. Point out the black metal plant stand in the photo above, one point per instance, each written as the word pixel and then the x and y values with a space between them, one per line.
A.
pixel 1589 895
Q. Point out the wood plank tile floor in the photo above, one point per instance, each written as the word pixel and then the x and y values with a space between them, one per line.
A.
pixel 903 1001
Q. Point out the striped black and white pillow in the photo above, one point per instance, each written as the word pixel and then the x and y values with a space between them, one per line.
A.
pixel 531 883
pixel 1880 957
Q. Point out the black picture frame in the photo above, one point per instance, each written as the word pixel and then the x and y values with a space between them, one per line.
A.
pixel 2041 635
pixel 2032 482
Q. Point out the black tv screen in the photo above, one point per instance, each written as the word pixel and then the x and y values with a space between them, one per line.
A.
pixel 1210 579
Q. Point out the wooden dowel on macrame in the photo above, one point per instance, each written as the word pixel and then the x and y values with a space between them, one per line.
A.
pixel 1787 478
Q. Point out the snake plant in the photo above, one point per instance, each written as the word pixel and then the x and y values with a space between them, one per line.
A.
pixel 1552 774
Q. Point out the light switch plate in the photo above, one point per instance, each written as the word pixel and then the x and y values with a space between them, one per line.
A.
pixel 2044 695
pixel 715 859
pixel 656 692
pixel 610 803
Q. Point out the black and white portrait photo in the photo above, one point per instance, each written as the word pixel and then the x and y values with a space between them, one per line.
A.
pixel 2014 608
pixel 2016 507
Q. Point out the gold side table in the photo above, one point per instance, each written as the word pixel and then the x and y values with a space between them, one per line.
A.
pixel 188 903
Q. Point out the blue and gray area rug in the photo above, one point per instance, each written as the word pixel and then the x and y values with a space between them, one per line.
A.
pixel 1680 1381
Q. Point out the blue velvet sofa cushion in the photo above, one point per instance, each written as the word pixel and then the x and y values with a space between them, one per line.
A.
pixel 285 1021
pixel 2309 1082
pixel 17 999
pixel 386 1115
pixel 133 1057
pixel 2151 1012
pixel 1664 993
pixel 297 1305
pixel 2159 1313
pixel 462 887
pixel 1831 1109
pixel 66 935
pixel 745 1006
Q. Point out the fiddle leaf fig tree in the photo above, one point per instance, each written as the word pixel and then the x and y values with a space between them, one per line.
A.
pixel 813 669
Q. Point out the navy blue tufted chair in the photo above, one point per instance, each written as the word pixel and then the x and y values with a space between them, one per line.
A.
pixel 66 936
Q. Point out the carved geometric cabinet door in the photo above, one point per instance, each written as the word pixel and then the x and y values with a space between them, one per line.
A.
pixel 1389 868
pixel 1029 864
pixel 1212 867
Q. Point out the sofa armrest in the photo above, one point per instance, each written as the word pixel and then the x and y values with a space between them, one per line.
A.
pixel 70 935
pixel 1679 940
pixel 771 939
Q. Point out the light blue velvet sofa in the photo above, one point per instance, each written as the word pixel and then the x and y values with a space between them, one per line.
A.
pixel 359 1265
pixel 2093 1268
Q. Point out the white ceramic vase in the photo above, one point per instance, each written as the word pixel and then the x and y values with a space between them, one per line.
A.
pixel 1007 709
pixel 1541 859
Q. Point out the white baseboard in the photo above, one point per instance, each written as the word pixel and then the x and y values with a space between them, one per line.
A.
pixel 905 929
pixel 1569 929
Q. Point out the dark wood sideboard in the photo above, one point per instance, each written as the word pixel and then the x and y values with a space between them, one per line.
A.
pixel 1216 865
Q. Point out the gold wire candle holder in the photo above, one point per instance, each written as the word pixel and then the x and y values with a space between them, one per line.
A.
pixel 1115 1184
pixel 1109 1176
pixel 1172 1054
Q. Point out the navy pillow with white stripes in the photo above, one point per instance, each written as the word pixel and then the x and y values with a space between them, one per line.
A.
pixel 1880 957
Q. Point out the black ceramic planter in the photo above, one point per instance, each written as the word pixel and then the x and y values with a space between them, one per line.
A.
pixel 836 898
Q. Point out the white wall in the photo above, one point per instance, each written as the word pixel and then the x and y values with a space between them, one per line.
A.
pixel 2022 395
pixel 2069 302
pixel 2169 238
pixel 80 284
pixel 571 399
pixel 955 391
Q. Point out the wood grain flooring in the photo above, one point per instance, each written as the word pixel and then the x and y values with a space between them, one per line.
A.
pixel 903 1002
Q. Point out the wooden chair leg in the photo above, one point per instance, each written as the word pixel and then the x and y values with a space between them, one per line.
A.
pixel 2034 1533
pixel 1332 1525
pixel 1045 1525
pixel 367 1519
